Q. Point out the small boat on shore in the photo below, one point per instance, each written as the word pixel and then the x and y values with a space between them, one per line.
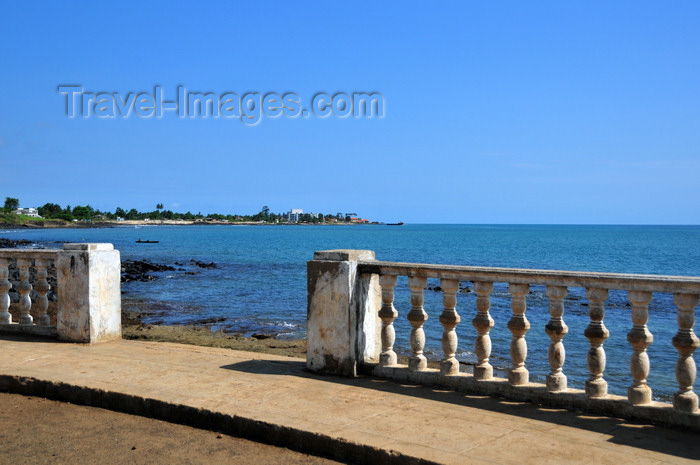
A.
pixel 141 241
pixel 400 223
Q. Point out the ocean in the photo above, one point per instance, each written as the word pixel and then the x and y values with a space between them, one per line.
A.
pixel 259 284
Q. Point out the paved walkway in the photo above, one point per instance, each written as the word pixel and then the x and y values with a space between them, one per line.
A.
pixel 272 399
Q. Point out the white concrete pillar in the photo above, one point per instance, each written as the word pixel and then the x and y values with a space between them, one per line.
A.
pixel 89 297
pixel 343 325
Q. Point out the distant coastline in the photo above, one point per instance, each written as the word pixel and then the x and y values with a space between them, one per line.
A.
pixel 60 224
pixel 51 215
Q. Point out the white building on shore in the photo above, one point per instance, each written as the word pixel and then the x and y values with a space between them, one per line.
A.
pixel 27 212
pixel 294 215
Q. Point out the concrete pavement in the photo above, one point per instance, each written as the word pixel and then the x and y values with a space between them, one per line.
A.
pixel 273 399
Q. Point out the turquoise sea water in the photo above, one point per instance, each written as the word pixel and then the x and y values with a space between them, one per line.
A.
pixel 260 282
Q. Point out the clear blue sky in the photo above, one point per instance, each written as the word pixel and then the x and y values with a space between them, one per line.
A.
pixel 495 112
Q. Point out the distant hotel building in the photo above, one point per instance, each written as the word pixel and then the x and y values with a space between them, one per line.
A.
pixel 27 212
pixel 294 215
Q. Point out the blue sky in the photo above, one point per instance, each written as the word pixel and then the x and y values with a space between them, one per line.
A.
pixel 495 112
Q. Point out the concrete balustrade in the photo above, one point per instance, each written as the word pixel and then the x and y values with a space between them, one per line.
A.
pixel 88 303
pixel 351 315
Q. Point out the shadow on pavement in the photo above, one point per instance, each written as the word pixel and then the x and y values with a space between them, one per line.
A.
pixel 659 439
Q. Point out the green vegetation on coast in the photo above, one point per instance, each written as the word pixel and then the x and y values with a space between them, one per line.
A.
pixel 53 215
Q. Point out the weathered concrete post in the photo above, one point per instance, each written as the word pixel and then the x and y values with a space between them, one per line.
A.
pixel 343 326
pixel 89 301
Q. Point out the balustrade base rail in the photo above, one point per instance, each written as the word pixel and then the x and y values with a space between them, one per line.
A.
pixel 33 330
pixel 350 330
pixel 658 413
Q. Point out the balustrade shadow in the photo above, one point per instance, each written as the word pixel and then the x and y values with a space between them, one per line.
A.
pixel 661 439
pixel 23 337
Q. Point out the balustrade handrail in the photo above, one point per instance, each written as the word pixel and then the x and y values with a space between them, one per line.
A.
pixel 29 253
pixel 624 281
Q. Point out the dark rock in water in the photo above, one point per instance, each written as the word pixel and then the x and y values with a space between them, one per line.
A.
pixel 203 264
pixel 140 277
pixel 11 244
pixel 209 321
pixel 137 270
pixel 263 336
pixel 143 266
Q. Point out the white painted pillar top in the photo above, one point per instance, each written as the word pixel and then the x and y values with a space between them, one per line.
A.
pixel 344 255
pixel 89 246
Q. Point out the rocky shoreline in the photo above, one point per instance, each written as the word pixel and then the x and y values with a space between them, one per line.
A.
pixel 57 224
pixel 133 311
pixel 13 244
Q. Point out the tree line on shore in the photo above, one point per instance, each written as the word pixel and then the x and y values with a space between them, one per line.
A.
pixel 52 211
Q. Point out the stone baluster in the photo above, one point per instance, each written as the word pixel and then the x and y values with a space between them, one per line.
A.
pixel 596 333
pixel 387 314
pixel 24 288
pixel 42 287
pixel 5 286
pixel 417 317
pixel 639 338
pixel 556 329
pixel 685 342
pixel 449 320
pixel 518 326
pixel 483 324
